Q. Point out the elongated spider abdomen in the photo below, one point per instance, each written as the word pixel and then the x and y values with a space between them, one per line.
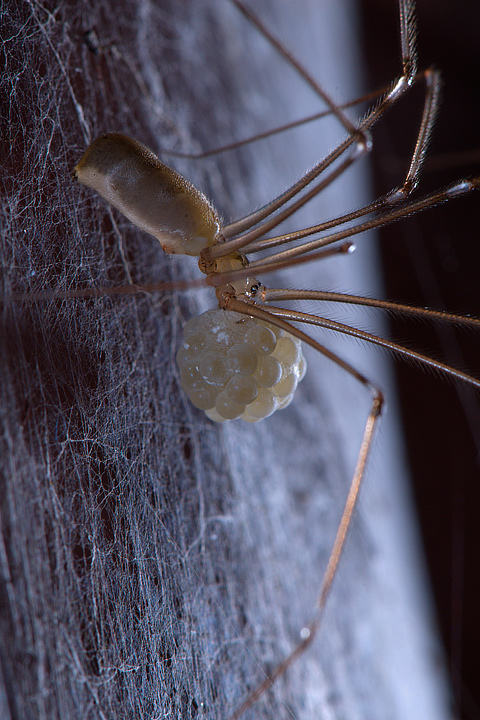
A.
pixel 149 193
pixel 233 366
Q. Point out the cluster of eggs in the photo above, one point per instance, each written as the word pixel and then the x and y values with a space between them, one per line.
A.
pixel 234 366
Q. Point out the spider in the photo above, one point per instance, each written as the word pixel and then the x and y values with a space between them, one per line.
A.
pixel 223 361
pixel 118 520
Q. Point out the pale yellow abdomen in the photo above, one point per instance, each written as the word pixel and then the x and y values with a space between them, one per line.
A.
pixel 149 193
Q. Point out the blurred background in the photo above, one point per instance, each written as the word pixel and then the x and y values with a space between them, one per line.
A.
pixel 432 260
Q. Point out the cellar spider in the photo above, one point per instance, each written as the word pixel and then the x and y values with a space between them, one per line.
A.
pixel 230 383
pixel 104 476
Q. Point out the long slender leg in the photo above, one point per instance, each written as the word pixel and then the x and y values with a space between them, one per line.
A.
pixel 270 294
pixel 292 60
pixel 374 340
pixel 359 135
pixel 309 632
pixel 408 36
pixel 267 223
pixel 262 216
pixel 258 216
pixel 462 187
pixel 408 53
pixel 278 130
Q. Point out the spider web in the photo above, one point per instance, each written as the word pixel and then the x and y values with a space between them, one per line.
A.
pixel 148 556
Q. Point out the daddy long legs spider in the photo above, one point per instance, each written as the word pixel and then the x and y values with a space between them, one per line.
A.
pixel 102 475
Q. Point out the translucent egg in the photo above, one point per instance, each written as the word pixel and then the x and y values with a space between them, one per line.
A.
pixel 214 368
pixel 233 366
pixel 228 408
pixel 242 389
pixel 268 372
pixel 265 404
pixel 261 338
pixel 242 360
pixel 286 386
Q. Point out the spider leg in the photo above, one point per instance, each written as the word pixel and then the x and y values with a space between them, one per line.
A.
pixel 377 402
